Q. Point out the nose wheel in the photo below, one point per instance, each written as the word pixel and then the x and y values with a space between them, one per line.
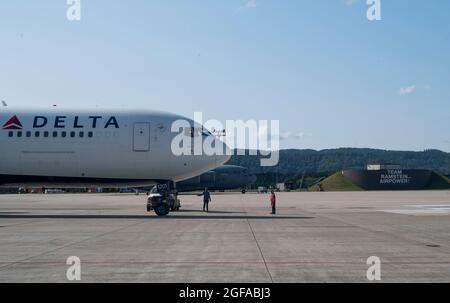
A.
pixel 162 209
pixel 163 202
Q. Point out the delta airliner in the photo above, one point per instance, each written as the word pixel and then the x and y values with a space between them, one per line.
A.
pixel 85 148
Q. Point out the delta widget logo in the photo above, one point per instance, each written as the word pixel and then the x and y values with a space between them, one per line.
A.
pixel 12 124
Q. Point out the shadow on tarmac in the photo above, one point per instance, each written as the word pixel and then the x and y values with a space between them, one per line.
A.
pixel 176 216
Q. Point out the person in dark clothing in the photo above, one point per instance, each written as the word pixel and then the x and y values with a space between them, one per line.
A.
pixel 321 187
pixel 206 200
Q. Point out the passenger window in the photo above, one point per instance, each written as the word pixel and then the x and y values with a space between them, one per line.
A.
pixel 45 134
pixel 72 134
pixel 55 134
pixel 10 134
pixel 90 134
pixel 81 134
pixel 63 134
pixel 28 134
pixel 37 134
pixel 19 134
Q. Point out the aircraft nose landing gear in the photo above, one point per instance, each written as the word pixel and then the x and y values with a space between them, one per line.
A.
pixel 162 209
pixel 162 202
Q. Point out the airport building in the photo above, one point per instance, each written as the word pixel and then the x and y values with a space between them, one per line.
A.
pixel 389 176
pixel 380 166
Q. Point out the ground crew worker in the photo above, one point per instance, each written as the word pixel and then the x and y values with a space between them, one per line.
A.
pixel 321 187
pixel 273 201
pixel 206 200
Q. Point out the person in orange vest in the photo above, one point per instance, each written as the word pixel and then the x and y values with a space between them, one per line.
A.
pixel 273 202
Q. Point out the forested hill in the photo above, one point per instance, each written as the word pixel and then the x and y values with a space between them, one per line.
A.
pixel 332 160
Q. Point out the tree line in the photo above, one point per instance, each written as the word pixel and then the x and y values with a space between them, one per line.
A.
pixel 309 165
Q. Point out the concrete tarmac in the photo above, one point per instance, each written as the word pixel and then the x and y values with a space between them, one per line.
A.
pixel 315 237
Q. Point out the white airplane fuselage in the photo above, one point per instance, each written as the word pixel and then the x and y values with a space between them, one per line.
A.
pixel 82 148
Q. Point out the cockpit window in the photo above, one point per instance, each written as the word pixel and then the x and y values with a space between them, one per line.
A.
pixel 192 132
pixel 196 132
pixel 206 133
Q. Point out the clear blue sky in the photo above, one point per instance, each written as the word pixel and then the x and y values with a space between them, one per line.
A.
pixel 319 66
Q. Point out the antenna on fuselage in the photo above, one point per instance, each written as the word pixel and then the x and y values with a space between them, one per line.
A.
pixel 4 103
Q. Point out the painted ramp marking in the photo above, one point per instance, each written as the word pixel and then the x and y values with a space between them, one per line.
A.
pixel 421 210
